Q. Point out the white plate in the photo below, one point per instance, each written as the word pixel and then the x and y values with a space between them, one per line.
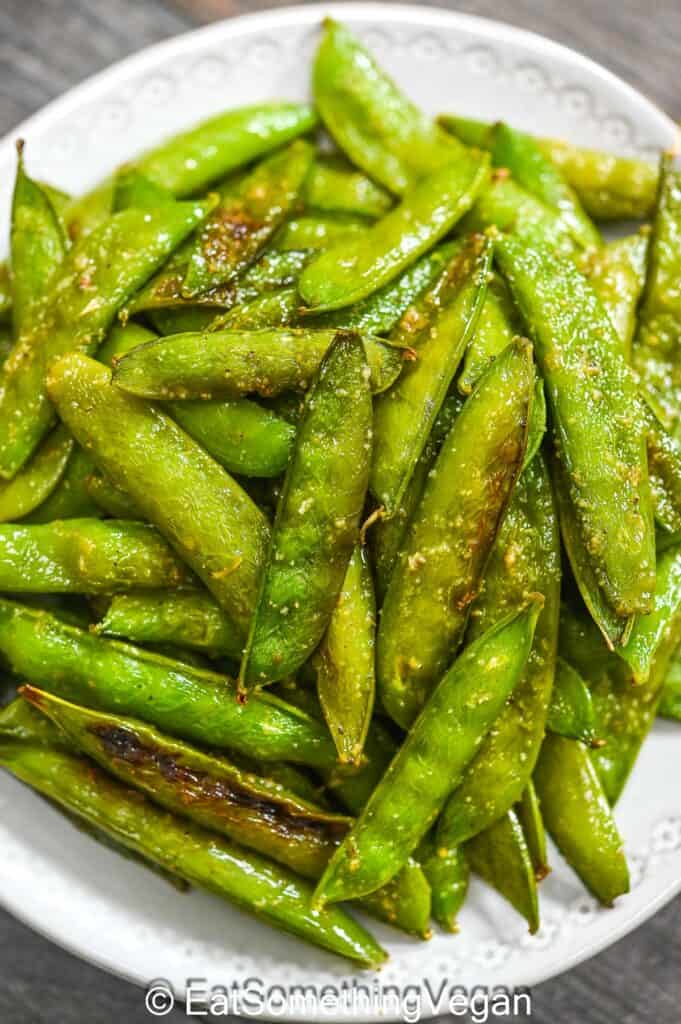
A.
pixel 116 914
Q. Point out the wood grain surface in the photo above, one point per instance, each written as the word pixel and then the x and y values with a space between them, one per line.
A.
pixel 47 46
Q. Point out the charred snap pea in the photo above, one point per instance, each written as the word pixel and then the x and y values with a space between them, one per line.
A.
pixel 184 701
pixel 451 535
pixel 255 884
pixel 501 857
pixel 236 363
pixel 87 556
pixel 333 184
pixel 237 231
pixel 597 429
pixel 345 661
pixel 437 328
pixel 572 711
pixel 195 504
pixel 184 619
pixel 317 518
pixel 348 272
pixel 428 765
pixel 506 205
pixel 578 817
pixel 371 120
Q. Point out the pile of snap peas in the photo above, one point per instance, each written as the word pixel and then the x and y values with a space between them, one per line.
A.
pixel 340 504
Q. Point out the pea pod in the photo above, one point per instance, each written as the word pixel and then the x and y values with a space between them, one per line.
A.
pixel 448 873
pixel 438 329
pixel 185 619
pixel 371 120
pixel 202 858
pixel 316 232
pixel 528 810
pixel 509 207
pixel 21 722
pixel 655 351
pixel 616 272
pixel 670 702
pixel 317 518
pixel 35 482
pixel 664 467
pixel 597 429
pixel 334 185
pixel 501 857
pixel 652 631
pixel 70 499
pixel 578 816
pixel 87 556
pixel 5 293
pixel 236 363
pixel 273 309
pixel 345 661
pixel 428 765
pixel 237 231
pixel 496 326
pixel 571 713
pixel 83 299
pixel 609 187
pixel 110 499
pixel 184 701
pixel 194 503
pixel 524 560
pixel 348 272
pixel 451 535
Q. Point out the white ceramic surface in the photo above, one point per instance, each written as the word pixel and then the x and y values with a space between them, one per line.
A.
pixel 106 909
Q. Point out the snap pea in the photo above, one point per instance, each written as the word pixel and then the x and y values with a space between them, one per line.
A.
pixel 335 186
pixel 438 329
pixel 255 884
pixel 241 435
pixel 273 309
pixel 664 468
pixel 182 700
pixel 524 560
pixel 528 811
pixel 448 873
pixel 496 326
pixel 315 232
pixel 21 722
pixel 451 535
pixel 134 189
pixel 181 321
pixel 195 504
pixel 510 208
pixel 578 817
pixel 37 480
pixel 109 499
pixel 655 351
pixel 428 765
pixel 609 187
pixel 349 271
pixel 530 168
pixel 185 619
pixel 501 857
pixel 235 234
pixel 87 556
pixel 87 212
pixel 193 160
pixel 653 630
pixel 70 498
pixel 96 278
pixel 599 434
pixel 5 293
pixel 670 702
pixel 317 518
pixel 617 273
pixel 371 120
pixel 571 712
pixel 345 661
pixel 236 363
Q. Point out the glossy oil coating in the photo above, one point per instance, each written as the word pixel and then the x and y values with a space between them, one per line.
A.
pixel 334 185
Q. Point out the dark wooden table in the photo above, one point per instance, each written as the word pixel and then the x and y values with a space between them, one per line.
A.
pixel 48 45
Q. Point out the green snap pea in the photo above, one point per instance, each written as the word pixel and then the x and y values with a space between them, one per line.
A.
pixel 241 435
pixel 82 302
pixel 609 187
pixel 577 814
pixel 134 189
pixel 195 504
pixel 21 722
pixel 448 875
pixel 190 162
pixel 371 120
pixel 597 428
pixel 335 186
pixel 348 272
pixel 664 468
pixel 496 326
pixel 345 661
pixel 109 499
pixel 314 232
pixel 437 329
pixel 184 619
pixel 528 811
pixel 524 560
pixel 655 351
pixel 509 207
pixel 317 517
pixel 70 498
pixel 501 857
pixel 5 293
pixel 182 700
pixel 255 884
pixel 273 309
pixel 617 273
pixel 236 232
pixel 534 171
pixel 87 212
pixel 181 321
pixel 670 702
pixel 87 556
pixel 653 630
pixel 236 363
pixel 34 483
pixel 571 713
pixel 428 765
pixel 451 535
